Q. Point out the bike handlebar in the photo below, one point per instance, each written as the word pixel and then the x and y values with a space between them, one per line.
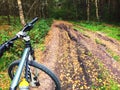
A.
pixel 2 49
pixel 29 25
pixel 34 20
pixel 5 46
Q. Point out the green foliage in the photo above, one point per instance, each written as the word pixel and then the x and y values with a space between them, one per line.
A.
pixel 4 36
pixel 40 31
pixel 114 55
pixel 110 30
pixel 63 9
pixel 37 35
pixel 99 42
pixel 65 14
pixel 15 52
pixel 117 58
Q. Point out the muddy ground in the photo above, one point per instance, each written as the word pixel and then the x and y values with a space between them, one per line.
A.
pixel 81 60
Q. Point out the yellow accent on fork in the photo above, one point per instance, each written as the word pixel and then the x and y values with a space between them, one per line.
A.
pixel 24 84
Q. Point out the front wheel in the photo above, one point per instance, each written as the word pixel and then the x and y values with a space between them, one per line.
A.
pixel 46 78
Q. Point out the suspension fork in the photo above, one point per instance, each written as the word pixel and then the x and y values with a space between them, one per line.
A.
pixel 27 71
pixel 27 67
pixel 20 69
pixel 30 57
pixel 32 79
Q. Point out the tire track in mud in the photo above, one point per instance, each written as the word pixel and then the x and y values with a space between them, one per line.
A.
pixel 101 51
pixel 79 76
pixel 49 58
pixel 73 57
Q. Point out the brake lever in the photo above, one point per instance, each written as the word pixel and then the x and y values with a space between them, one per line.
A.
pixel 5 46
pixel 27 27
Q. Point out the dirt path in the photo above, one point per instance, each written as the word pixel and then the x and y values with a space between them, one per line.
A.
pixel 76 57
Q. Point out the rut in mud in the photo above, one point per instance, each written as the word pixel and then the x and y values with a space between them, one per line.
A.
pixel 75 57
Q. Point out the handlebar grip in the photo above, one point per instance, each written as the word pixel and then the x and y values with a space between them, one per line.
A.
pixel 34 20
pixel 6 46
pixel 2 49
pixel 29 26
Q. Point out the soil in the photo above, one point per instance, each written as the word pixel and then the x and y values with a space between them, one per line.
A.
pixel 75 57
pixel 4 27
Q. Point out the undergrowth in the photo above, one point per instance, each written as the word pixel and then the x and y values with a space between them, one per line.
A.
pixel 37 35
pixel 111 30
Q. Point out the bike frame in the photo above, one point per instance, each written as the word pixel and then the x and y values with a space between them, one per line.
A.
pixel 24 63
pixel 27 56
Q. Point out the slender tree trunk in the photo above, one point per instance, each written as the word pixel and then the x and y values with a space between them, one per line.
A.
pixel 109 9
pixel 88 10
pixel 21 12
pixel 46 8
pixel 75 7
pixel 97 11
pixel 43 7
pixel 31 7
pixel 8 11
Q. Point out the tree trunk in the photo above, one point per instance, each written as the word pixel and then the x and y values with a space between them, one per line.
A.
pixel 21 12
pixel 46 8
pixel 75 8
pixel 88 10
pixel 97 12
pixel 109 9
pixel 8 11
pixel 31 7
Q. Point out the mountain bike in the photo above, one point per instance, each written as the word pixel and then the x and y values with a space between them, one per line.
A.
pixel 26 72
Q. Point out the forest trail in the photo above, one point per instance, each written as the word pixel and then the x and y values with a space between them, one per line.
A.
pixel 81 60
